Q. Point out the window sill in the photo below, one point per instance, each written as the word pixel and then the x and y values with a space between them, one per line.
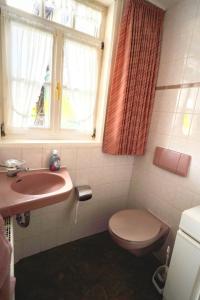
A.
pixel 8 142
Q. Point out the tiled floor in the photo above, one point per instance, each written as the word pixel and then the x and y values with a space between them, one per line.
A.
pixel 92 268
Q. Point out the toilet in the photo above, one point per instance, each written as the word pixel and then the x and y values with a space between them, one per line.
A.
pixel 137 231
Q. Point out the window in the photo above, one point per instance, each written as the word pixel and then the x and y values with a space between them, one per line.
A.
pixel 53 66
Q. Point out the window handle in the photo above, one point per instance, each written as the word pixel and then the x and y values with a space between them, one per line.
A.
pixel 58 91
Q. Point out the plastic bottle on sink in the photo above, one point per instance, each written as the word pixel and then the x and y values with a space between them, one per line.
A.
pixel 54 161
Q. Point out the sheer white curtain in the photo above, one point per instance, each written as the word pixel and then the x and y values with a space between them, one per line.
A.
pixel 4 77
pixel 80 77
pixel 28 53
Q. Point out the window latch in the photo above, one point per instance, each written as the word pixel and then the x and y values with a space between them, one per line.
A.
pixel 3 130
pixel 58 91
pixel 94 134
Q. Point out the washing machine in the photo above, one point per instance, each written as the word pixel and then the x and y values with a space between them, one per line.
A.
pixel 183 278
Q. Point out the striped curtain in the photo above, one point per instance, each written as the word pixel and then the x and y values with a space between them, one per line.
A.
pixel 133 79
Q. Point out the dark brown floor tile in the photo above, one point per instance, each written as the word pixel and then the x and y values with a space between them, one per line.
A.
pixel 92 268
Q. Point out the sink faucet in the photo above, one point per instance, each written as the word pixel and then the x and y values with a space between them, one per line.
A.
pixel 14 166
pixel 11 172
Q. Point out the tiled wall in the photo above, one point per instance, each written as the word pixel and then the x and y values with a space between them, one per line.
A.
pixel 109 177
pixel 175 121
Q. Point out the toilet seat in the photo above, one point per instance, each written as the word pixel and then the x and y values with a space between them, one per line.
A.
pixel 138 227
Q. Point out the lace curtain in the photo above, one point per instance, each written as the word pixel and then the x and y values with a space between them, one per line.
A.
pixel 27 57
pixel 80 79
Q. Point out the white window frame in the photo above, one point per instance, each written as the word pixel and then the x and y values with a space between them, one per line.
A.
pixel 55 132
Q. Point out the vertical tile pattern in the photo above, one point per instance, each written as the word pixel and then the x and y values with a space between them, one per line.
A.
pixel 109 177
pixel 175 121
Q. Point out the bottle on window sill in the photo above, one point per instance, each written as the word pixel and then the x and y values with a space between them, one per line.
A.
pixel 54 161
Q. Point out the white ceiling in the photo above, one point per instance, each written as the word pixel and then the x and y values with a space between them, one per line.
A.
pixel 165 4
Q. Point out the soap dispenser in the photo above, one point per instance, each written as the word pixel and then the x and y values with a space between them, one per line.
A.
pixel 54 161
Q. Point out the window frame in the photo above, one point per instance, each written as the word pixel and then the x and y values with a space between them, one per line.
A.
pixel 60 32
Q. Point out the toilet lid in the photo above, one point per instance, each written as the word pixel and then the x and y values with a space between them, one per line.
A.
pixel 135 225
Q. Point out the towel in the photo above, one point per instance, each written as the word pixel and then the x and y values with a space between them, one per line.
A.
pixel 5 257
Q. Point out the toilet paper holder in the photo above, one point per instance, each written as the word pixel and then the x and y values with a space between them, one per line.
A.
pixel 83 192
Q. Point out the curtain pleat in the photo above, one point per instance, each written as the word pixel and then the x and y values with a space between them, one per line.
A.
pixel 133 79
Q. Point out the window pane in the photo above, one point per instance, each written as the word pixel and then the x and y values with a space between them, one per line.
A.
pixel 88 20
pixel 80 75
pixel 66 12
pixel 60 11
pixel 31 56
pixel 73 14
pixel 30 6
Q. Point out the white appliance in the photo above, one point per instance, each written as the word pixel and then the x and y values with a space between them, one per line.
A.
pixel 183 278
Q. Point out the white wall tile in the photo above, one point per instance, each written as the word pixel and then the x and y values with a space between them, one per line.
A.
pixel 18 250
pixel 96 176
pixel 179 44
pixel 68 157
pixel 83 158
pixel 187 100
pixel 123 172
pixel 82 176
pixel 157 139
pixel 191 70
pixel 177 143
pixel 170 74
pixel 196 200
pixel 73 176
pixel 181 17
pixel 10 152
pixel 195 42
pixel 182 124
pixel 63 236
pixel 197 105
pixel 33 157
pixel 31 245
pixel 99 159
pixel 183 198
pixel 166 100
pixel 164 122
pixel 48 239
pixel 195 128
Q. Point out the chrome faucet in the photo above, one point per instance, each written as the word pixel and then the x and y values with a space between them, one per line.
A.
pixel 14 166
pixel 11 172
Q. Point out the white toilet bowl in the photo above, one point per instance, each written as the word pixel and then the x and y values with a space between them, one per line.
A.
pixel 137 231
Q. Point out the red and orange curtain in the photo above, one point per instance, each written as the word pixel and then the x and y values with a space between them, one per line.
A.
pixel 133 79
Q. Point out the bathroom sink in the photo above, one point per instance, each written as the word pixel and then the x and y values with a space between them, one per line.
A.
pixel 32 190
pixel 38 183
